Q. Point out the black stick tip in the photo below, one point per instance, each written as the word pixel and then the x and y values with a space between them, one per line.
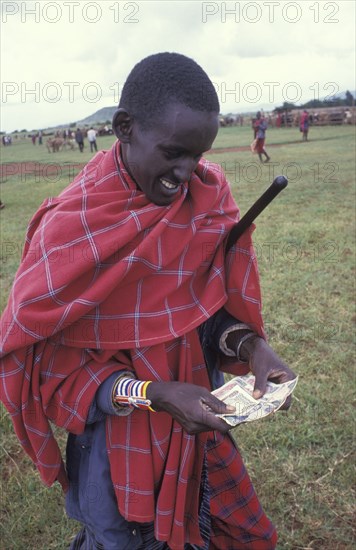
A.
pixel 280 181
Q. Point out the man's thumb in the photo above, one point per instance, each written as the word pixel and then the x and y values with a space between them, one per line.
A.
pixel 259 387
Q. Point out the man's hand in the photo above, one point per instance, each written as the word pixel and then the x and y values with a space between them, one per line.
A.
pixel 194 407
pixel 265 365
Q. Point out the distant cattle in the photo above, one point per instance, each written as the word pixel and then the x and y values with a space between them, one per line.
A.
pixel 55 144
pixel 104 131
pixel 70 144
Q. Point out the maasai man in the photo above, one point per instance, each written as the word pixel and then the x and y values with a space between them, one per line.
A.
pixel 260 127
pixel 123 315
pixel 304 125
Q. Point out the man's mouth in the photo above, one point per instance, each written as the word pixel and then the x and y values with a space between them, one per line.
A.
pixel 169 185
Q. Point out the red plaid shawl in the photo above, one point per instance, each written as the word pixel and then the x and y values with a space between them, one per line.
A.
pixel 105 270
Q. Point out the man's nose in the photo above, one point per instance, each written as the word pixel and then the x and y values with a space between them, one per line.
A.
pixel 184 169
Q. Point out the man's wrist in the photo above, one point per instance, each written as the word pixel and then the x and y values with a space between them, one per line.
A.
pixel 237 343
pixel 154 394
pixel 129 392
pixel 247 346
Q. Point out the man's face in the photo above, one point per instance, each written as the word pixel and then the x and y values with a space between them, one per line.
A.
pixel 161 159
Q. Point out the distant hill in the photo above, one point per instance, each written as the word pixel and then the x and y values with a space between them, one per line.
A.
pixel 102 116
pixel 339 99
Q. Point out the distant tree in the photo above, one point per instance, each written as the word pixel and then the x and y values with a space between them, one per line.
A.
pixel 287 105
pixel 72 125
pixel 313 104
pixel 349 99
pixel 335 101
pixel 24 130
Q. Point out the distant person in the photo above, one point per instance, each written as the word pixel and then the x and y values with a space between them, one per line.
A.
pixel 40 136
pixel 304 125
pixel 347 116
pixel 260 127
pixel 91 135
pixel 79 138
pixel 34 137
pixel 2 205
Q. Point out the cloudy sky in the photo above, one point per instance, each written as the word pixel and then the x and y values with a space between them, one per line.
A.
pixel 63 60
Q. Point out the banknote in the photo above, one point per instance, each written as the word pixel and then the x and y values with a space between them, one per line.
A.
pixel 238 392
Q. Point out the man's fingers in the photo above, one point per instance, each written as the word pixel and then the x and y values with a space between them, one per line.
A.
pixel 286 404
pixel 260 385
pixel 257 394
pixel 277 376
pixel 217 406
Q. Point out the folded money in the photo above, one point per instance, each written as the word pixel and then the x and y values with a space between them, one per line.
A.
pixel 238 392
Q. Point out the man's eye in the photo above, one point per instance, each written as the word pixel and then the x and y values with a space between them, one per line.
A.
pixel 170 155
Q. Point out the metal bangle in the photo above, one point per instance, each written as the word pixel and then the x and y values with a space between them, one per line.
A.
pixel 238 349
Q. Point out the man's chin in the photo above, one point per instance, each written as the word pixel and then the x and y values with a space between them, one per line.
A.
pixel 163 202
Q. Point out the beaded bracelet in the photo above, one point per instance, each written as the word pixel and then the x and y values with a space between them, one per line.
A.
pixel 130 392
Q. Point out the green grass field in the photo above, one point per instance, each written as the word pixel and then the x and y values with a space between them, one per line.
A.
pixel 301 462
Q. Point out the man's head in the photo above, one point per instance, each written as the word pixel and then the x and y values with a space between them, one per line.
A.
pixel 167 118
pixel 162 79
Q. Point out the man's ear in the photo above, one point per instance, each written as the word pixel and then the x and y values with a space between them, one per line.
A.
pixel 122 125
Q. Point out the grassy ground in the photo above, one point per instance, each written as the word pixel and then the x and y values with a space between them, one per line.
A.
pixel 301 462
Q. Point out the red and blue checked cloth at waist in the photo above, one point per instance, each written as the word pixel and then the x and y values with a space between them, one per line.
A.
pixel 123 283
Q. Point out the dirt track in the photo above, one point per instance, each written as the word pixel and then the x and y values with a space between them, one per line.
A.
pixel 242 148
pixel 50 170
